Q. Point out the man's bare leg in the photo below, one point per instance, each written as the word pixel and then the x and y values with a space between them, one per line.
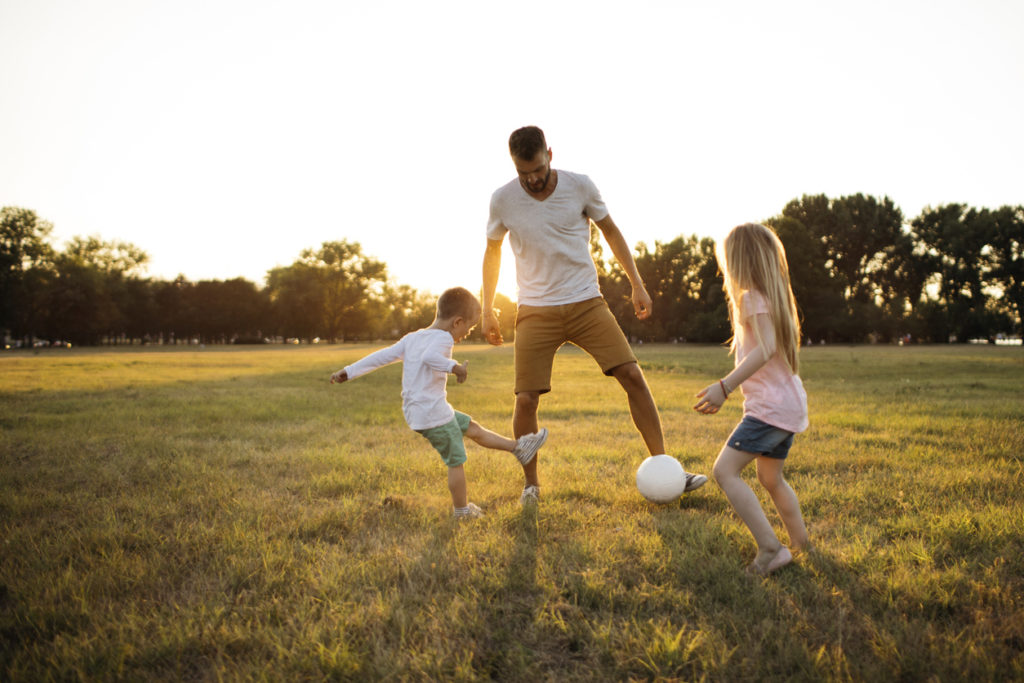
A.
pixel 524 421
pixel 641 406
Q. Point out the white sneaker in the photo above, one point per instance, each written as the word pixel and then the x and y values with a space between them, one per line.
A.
pixel 694 481
pixel 528 444
pixel 472 511
pixel 531 495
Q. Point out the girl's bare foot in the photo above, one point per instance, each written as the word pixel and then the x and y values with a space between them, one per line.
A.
pixel 765 564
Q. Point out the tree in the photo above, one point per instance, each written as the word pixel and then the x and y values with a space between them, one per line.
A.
pixel 686 305
pixel 24 253
pixel 862 247
pixel 408 310
pixel 1007 242
pixel 954 240
pixel 89 277
pixel 710 321
pixel 819 300
pixel 136 304
pixel 333 293
pixel 227 310
pixel 175 310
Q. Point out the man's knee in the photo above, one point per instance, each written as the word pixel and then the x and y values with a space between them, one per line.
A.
pixel 630 376
pixel 527 402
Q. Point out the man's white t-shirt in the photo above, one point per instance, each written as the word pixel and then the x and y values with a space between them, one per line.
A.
pixel 550 239
pixel 426 357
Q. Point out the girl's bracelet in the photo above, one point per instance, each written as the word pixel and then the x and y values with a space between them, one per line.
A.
pixel 725 391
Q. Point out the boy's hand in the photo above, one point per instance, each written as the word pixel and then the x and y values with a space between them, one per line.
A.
pixel 461 371
pixel 711 399
pixel 339 377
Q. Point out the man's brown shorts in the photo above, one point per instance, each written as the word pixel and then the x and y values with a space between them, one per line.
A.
pixel 541 330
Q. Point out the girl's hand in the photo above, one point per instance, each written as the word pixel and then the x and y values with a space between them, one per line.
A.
pixel 710 400
pixel 339 377
pixel 461 372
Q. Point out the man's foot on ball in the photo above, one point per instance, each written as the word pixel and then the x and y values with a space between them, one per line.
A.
pixel 694 481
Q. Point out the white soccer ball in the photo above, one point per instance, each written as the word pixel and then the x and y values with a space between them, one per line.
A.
pixel 660 479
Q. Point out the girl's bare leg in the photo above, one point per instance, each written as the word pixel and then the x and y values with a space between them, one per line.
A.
pixel 726 471
pixel 769 473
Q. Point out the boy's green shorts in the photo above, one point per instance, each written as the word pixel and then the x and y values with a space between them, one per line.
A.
pixel 448 439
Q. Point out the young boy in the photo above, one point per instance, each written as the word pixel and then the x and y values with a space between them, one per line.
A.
pixel 426 357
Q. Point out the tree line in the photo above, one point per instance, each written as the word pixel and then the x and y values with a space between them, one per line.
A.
pixel 860 272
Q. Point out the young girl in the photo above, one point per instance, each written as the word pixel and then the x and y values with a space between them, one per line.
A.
pixel 766 339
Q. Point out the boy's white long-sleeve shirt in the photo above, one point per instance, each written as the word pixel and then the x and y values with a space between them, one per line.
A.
pixel 426 357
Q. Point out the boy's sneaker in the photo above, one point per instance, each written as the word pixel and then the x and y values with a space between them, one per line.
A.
pixel 531 495
pixel 694 481
pixel 528 444
pixel 471 511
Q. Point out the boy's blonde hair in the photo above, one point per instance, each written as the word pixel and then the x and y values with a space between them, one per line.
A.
pixel 752 258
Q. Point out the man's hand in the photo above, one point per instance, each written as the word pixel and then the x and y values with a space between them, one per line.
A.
pixel 641 302
pixel 339 377
pixel 491 328
pixel 461 372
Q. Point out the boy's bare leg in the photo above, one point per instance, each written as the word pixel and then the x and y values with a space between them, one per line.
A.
pixel 641 406
pixel 457 486
pixel 769 473
pixel 524 421
pixel 489 439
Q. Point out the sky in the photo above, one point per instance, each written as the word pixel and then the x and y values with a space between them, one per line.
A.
pixel 224 137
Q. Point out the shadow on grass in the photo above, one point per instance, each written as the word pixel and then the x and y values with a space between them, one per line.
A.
pixel 510 616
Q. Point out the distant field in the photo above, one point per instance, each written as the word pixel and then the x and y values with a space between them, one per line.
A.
pixel 226 513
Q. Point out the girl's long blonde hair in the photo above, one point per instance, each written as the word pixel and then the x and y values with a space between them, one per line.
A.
pixel 752 258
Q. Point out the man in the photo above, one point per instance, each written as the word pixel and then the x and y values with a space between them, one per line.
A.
pixel 547 214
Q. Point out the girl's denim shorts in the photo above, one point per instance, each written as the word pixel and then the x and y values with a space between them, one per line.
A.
pixel 754 436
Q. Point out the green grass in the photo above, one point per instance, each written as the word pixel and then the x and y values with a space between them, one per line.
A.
pixel 228 514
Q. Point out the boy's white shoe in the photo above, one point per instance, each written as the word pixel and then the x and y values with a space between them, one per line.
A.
pixel 531 495
pixel 471 511
pixel 528 444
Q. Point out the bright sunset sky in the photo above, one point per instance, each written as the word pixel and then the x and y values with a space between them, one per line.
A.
pixel 224 137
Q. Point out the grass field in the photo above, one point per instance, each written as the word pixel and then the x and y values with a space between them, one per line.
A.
pixel 226 513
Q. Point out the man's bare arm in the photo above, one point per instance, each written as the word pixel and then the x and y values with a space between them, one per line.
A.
pixel 623 254
pixel 489 324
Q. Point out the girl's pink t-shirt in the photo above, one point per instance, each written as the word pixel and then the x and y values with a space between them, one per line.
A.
pixel 773 394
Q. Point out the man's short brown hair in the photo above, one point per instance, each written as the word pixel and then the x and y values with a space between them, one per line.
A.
pixel 458 301
pixel 525 143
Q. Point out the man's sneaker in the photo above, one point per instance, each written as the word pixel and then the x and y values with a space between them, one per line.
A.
pixel 694 482
pixel 528 444
pixel 471 511
pixel 531 495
